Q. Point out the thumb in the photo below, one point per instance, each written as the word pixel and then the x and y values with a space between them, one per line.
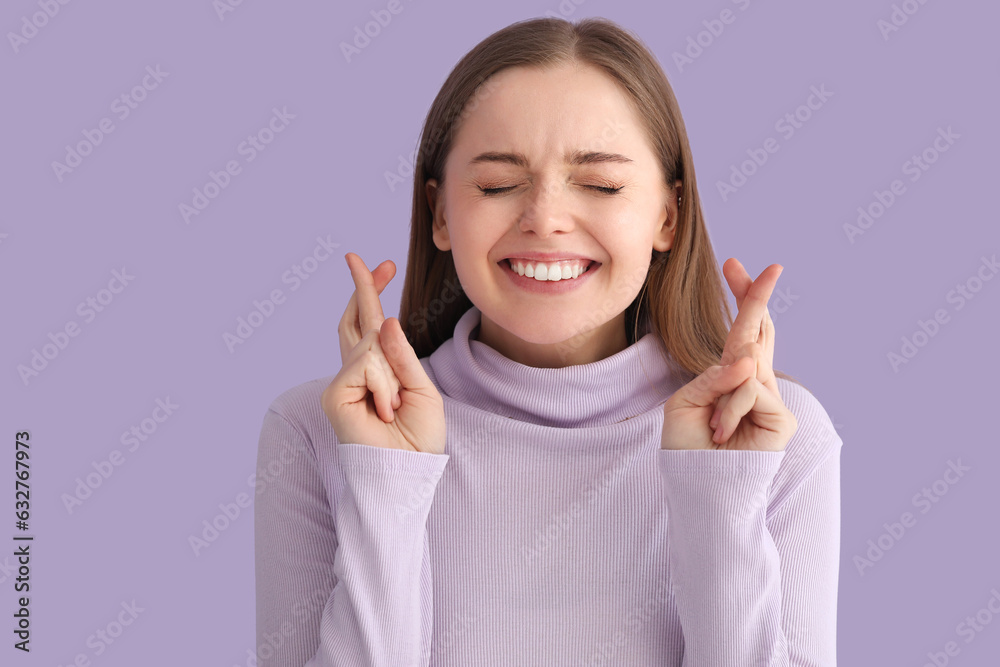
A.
pixel 718 381
pixel 400 355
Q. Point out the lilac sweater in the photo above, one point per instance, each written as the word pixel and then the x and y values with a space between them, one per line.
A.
pixel 553 531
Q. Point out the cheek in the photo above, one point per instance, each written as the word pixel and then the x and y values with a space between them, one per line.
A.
pixel 476 227
pixel 465 242
pixel 470 244
pixel 631 263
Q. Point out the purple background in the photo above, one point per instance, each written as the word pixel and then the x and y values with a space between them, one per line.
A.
pixel 848 304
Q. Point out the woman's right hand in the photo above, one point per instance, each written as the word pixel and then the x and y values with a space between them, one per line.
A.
pixel 382 396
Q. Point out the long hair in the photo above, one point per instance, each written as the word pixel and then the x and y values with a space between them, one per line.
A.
pixel 682 300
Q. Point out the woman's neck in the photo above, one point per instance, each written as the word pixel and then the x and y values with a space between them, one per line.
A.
pixel 584 348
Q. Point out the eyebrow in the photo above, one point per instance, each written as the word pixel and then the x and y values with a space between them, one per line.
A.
pixel 577 158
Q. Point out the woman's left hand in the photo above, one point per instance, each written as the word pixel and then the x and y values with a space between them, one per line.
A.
pixel 735 405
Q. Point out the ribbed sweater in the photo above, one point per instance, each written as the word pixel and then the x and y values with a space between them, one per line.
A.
pixel 554 530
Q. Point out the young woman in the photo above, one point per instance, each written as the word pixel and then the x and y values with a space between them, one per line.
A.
pixel 564 451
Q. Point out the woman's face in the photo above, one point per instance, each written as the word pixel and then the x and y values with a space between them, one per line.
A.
pixel 551 140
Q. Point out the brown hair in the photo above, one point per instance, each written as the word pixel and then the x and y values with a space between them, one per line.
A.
pixel 682 300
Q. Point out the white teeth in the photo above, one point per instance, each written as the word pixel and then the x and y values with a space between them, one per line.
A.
pixel 552 271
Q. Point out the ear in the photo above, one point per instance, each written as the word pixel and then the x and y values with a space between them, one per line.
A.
pixel 664 239
pixel 438 225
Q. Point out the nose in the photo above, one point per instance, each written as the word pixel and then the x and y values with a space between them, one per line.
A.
pixel 546 211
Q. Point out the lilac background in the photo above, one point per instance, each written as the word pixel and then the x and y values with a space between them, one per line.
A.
pixel 848 304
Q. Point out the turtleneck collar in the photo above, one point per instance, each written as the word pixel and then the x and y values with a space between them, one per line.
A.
pixel 623 385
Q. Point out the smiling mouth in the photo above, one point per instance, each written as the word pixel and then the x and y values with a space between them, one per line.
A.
pixel 552 271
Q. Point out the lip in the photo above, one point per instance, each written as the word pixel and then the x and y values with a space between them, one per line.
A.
pixel 548 286
pixel 547 256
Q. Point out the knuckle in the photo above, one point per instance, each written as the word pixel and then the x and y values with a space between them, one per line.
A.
pixel 712 373
pixel 371 356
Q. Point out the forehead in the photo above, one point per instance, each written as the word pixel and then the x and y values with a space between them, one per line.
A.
pixel 551 111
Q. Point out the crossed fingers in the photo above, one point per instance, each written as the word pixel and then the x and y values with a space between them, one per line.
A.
pixel 752 333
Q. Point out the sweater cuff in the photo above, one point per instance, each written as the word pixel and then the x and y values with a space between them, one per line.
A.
pixel 709 481
pixel 391 484
pixel 389 458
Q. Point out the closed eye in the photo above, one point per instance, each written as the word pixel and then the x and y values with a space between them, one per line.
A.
pixel 496 191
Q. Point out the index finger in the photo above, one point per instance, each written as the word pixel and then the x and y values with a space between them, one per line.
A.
pixel 370 315
pixel 738 279
pixel 746 327
pixel 349 328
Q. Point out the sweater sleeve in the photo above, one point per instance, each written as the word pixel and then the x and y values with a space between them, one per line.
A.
pixel 342 560
pixel 754 542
